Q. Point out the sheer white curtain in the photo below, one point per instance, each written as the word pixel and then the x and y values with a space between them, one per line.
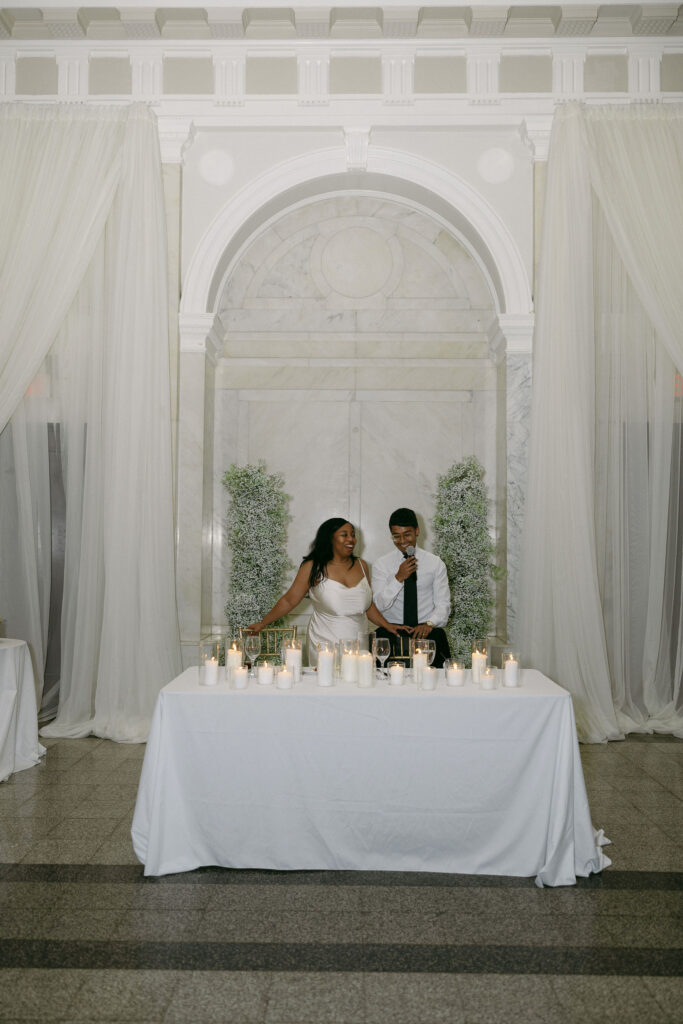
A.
pixel 107 376
pixel 600 595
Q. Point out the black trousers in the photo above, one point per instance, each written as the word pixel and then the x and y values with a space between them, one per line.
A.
pixel 400 645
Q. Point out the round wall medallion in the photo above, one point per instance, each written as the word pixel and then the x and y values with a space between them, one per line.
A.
pixel 356 262
pixel 496 165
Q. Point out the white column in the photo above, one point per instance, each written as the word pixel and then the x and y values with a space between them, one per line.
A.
pixel 200 348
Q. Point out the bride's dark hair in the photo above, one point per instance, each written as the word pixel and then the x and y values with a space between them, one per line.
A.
pixel 321 549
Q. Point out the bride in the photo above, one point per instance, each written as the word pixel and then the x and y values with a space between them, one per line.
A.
pixel 338 584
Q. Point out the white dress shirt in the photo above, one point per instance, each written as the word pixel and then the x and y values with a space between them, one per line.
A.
pixel 433 592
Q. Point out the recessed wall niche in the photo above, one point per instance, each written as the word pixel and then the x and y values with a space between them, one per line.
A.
pixel 356 363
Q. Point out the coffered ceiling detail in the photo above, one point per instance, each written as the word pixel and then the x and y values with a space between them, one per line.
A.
pixel 397 21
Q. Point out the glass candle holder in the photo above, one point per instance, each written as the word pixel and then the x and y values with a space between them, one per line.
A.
pixel 284 680
pixel 455 672
pixel 480 659
pixel 427 679
pixel 211 671
pixel 419 659
pixel 233 656
pixel 365 669
pixel 349 660
pixel 488 679
pixel 325 673
pixel 397 672
pixel 511 666
pixel 293 659
pixel 265 673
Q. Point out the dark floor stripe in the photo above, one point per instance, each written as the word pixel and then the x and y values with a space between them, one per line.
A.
pixel 133 874
pixel 213 956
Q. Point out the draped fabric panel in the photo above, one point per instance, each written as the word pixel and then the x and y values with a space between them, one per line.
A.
pixel 600 594
pixel 106 382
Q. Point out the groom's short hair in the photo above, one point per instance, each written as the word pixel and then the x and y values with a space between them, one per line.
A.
pixel 403 517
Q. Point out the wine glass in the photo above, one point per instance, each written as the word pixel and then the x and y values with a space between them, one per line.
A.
pixel 381 649
pixel 252 649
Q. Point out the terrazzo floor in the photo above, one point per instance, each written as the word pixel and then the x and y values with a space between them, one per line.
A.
pixel 85 937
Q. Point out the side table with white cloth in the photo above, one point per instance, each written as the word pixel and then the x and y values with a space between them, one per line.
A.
pixel 19 746
pixel 384 779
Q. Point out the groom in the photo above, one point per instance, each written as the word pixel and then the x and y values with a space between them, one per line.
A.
pixel 410 587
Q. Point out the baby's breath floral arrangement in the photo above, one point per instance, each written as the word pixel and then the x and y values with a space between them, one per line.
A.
pixel 464 544
pixel 258 514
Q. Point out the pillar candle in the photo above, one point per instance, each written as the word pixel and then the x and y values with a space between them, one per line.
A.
pixel 419 663
pixel 325 668
pixel 428 681
pixel 455 676
pixel 265 673
pixel 478 665
pixel 349 668
pixel 511 673
pixel 284 679
pixel 240 678
pixel 488 679
pixel 396 675
pixel 293 662
pixel 233 660
pixel 210 673
pixel 366 668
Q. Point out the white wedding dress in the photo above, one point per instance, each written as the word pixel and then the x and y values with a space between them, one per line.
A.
pixel 338 613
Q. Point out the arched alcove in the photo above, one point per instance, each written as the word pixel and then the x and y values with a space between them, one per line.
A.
pixel 354 332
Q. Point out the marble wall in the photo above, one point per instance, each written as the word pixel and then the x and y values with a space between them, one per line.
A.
pixel 356 362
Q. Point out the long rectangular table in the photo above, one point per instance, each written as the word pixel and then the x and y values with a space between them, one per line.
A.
pixel 457 780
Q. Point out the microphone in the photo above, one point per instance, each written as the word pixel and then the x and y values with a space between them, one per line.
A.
pixel 408 553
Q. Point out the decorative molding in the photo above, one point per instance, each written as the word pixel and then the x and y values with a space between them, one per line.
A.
pixel 229 79
pixel 397 78
pixel 146 76
pixel 201 334
pixel 356 144
pixel 535 134
pixel 497 250
pixel 643 74
pixel 497 343
pixel 518 330
pixel 568 73
pixel 72 77
pixel 402 19
pixel 176 135
pixel 314 78
pixel 482 77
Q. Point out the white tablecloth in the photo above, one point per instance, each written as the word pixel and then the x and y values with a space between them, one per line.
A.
pixel 19 746
pixel 457 780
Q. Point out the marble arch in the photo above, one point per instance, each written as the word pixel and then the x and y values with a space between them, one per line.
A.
pixel 389 173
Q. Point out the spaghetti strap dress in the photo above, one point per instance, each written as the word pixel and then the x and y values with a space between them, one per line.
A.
pixel 338 612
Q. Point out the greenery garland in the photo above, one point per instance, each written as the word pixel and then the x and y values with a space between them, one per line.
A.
pixel 464 544
pixel 257 520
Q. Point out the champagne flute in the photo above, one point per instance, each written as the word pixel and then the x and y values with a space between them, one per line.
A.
pixel 381 649
pixel 252 649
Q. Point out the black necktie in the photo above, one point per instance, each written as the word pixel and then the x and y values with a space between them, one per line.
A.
pixel 410 600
